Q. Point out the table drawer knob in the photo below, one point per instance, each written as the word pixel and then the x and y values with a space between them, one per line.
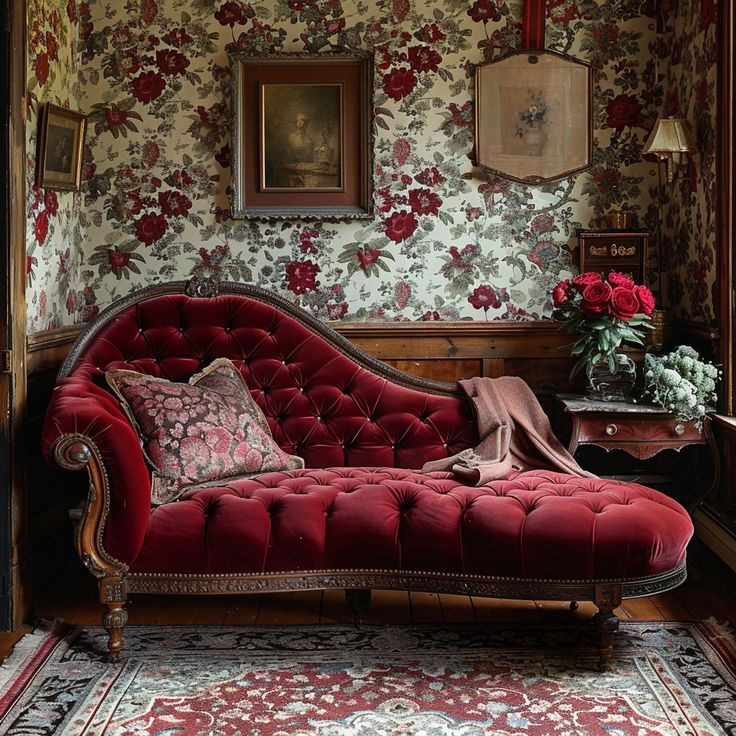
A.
pixel 679 428
pixel 611 429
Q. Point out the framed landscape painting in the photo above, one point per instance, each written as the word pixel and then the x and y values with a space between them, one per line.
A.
pixel 533 116
pixel 301 132
pixel 60 147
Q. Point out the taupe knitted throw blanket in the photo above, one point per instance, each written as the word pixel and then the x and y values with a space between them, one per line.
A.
pixel 515 435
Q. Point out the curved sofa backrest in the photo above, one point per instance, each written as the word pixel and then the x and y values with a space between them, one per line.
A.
pixel 325 400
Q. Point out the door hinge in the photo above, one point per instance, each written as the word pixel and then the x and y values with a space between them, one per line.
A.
pixel 6 361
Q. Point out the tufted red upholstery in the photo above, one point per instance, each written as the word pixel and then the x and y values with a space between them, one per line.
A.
pixel 339 417
pixel 320 404
pixel 539 525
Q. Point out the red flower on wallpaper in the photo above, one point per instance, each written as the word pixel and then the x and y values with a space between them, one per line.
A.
pixel 484 10
pixel 148 86
pixel 367 257
pixel 223 156
pixel 113 118
pixel 430 177
pixel 174 204
pixel 708 13
pixel 424 59
pixel 337 311
pixel 306 240
pixel 117 259
pixel 544 223
pixel 51 201
pixel 424 202
pixel 301 276
pixel 485 298
pixel 399 83
pixel 605 35
pixel 623 110
pixel 430 33
pixel 431 316
pixel 148 12
pixel 31 263
pixel 401 150
pixel 52 46
pixel 607 180
pixel 543 253
pixel 171 62
pixel 71 10
pixel 334 25
pixel 149 228
pixel 231 13
pixel 178 37
pixel 41 69
pixel 401 225
pixel 41 227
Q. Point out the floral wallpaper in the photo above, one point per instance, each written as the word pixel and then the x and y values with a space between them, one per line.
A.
pixel 688 49
pixel 54 242
pixel 446 242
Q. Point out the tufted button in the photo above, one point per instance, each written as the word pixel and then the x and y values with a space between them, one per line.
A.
pixel 265 389
pixel 181 329
pixel 444 444
pixel 140 330
pixel 228 329
pixel 301 388
pixel 283 362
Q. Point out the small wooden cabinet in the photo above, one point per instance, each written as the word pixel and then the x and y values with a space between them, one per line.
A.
pixel 640 430
pixel 614 250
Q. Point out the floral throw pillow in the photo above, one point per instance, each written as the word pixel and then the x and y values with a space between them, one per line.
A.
pixel 200 432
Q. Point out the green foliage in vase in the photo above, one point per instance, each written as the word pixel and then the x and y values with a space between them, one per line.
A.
pixel 681 382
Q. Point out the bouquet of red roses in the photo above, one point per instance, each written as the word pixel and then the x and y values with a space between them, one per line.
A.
pixel 607 312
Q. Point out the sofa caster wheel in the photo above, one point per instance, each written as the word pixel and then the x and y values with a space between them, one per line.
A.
pixel 574 605
pixel 358 602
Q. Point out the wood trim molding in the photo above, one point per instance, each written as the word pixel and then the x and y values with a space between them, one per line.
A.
pixel 47 350
pixel 725 215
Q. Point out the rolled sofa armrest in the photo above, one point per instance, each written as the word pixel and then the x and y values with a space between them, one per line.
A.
pixel 86 428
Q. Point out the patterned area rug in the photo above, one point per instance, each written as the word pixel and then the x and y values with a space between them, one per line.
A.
pixel 667 678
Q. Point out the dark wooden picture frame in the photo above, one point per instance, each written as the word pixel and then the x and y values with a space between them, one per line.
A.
pixel 533 116
pixel 301 136
pixel 60 148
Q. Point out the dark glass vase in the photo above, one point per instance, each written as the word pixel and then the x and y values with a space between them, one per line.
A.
pixel 606 386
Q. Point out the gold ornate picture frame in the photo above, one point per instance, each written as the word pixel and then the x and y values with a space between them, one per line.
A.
pixel 60 148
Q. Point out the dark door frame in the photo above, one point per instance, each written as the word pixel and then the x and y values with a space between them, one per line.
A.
pixel 12 305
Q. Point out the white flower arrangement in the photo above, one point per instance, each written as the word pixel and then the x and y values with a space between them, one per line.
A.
pixel 682 383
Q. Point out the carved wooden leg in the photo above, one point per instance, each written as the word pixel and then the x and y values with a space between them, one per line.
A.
pixel 358 601
pixel 607 597
pixel 113 593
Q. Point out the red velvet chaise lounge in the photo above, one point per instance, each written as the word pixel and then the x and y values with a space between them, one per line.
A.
pixel 359 515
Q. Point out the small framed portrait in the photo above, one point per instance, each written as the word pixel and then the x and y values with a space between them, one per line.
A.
pixel 61 142
pixel 533 120
pixel 301 132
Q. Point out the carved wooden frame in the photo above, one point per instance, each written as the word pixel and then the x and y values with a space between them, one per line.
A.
pixel 248 201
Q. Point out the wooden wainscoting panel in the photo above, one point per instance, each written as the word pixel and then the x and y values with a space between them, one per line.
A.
pixel 439 369
pixel 47 350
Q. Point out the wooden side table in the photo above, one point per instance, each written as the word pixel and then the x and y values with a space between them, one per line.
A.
pixel 640 430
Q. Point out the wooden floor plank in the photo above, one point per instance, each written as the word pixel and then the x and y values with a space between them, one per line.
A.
pixel 334 608
pixel 244 611
pixel 457 609
pixel 425 608
pixel 289 608
pixel 642 609
pixel 389 607
pixel 670 608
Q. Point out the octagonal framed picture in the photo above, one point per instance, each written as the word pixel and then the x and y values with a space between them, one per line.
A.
pixel 533 121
